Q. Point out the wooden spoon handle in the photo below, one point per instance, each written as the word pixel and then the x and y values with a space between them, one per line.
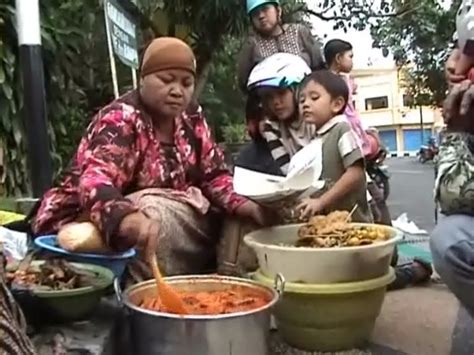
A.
pixel 156 271
pixel 356 206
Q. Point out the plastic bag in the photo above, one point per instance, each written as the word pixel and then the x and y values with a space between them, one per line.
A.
pixel 15 244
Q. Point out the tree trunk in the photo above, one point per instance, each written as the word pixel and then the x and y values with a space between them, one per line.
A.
pixel 201 78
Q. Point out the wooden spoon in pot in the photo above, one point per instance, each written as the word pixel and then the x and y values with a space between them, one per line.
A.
pixel 169 297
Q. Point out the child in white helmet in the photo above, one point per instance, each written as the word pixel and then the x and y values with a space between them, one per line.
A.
pixel 275 81
pixel 271 35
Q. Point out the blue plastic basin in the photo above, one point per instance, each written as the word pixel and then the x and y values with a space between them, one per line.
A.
pixel 115 262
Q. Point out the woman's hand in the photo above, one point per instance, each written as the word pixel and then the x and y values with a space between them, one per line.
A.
pixel 310 207
pixel 450 68
pixel 257 213
pixel 459 101
pixel 142 230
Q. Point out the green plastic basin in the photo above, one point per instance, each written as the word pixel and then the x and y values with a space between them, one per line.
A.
pixel 63 306
pixel 329 317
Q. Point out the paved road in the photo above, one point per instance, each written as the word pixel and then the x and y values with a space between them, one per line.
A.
pixel 412 191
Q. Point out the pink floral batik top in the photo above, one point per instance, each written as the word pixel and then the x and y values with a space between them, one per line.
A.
pixel 119 155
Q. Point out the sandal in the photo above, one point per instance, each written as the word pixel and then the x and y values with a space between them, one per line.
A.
pixel 409 274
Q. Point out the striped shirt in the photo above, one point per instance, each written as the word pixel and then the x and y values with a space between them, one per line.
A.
pixel 284 140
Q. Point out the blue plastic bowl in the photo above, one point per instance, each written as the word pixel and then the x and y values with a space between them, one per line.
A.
pixel 114 262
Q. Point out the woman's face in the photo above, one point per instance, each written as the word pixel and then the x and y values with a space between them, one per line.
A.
pixel 280 103
pixel 344 61
pixel 167 93
pixel 265 18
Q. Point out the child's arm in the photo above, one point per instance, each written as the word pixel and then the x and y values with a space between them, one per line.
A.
pixel 352 85
pixel 353 176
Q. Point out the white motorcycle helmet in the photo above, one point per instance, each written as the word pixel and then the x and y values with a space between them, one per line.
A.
pixel 281 70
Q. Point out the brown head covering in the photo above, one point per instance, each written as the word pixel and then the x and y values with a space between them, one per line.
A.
pixel 168 53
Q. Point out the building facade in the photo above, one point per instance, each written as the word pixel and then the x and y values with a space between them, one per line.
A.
pixel 382 103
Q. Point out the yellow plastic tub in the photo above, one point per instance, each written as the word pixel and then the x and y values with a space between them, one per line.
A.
pixel 329 317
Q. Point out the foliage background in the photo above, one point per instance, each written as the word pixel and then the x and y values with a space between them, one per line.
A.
pixel 420 40
pixel 77 70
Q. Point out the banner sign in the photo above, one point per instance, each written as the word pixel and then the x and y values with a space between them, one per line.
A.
pixel 123 32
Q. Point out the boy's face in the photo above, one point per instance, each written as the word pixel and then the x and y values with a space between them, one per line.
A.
pixel 279 102
pixel 317 106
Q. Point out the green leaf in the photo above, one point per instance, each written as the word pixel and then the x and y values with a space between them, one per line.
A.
pixel 17 133
pixel 8 57
pixel 7 90
pixel 13 107
pixel 48 40
pixel 2 75
pixel 62 128
pixel 5 119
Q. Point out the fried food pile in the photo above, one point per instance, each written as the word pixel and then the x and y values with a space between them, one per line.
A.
pixel 54 274
pixel 335 230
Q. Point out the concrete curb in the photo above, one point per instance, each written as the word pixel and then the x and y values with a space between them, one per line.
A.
pixel 402 154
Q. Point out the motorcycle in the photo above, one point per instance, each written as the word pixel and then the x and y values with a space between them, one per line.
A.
pixel 428 152
pixel 379 173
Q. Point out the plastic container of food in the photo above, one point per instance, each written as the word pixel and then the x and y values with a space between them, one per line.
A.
pixel 328 317
pixel 115 262
pixel 276 255
pixel 68 305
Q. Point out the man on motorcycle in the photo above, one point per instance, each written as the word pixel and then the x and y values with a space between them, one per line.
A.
pixel 429 151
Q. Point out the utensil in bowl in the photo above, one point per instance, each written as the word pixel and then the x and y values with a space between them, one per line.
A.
pixel 242 333
pixel 165 293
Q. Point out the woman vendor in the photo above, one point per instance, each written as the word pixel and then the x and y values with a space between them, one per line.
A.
pixel 146 173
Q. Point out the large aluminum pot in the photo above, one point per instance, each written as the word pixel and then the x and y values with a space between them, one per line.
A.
pixel 319 265
pixel 157 333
